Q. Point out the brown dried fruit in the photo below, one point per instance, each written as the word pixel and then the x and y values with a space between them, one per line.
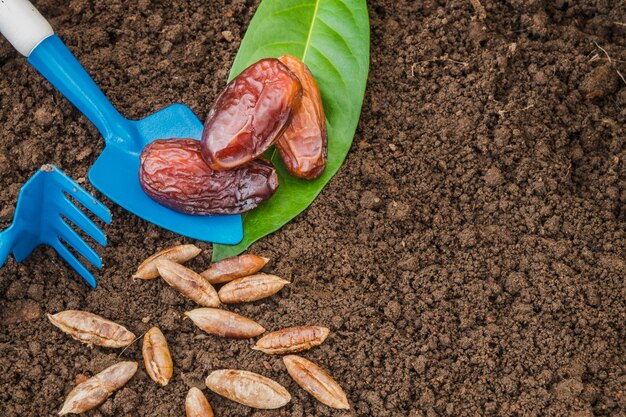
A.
pixel 196 404
pixel 178 254
pixel 252 288
pixel 173 173
pixel 316 382
pixel 303 146
pixel 232 268
pixel 157 357
pixel 188 283
pixel 292 339
pixel 224 323
pixel 94 391
pixel 250 114
pixel 248 388
pixel 92 329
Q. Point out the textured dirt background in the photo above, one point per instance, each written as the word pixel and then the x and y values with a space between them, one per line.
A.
pixel 469 257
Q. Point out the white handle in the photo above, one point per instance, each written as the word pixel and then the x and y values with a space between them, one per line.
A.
pixel 23 25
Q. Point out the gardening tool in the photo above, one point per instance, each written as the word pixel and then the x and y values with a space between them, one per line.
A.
pixel 44 215
pixel 116 172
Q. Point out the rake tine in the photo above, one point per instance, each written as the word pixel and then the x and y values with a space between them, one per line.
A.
pixel 82 221
pixel 74 263
pixel 73 239
pixel 83 197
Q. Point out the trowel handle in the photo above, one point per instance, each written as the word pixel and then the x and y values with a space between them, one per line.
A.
pixel 23 25
pixel 31 34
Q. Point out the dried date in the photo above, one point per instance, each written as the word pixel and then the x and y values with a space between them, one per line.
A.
pixel 178 254
pixel 196 404
pixel 94 391
pixel 236 267
pixel 188 283
pixel 92 329
pixel 224 323
pixel 316 382
pixel 292 339
pixel 250 114
pixel 248 388
pixel 174 174
pixel 157 357
pixel 303 146
pixel 252 288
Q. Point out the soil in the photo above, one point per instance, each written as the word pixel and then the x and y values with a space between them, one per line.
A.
pixel 469 257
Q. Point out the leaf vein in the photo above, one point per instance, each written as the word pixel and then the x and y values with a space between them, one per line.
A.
pixel 339 35
pixel 308 38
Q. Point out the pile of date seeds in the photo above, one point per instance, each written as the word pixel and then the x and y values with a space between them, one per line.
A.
pixel 272 102
pixel 242 282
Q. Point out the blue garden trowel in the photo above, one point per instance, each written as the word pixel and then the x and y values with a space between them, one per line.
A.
pixel 116 171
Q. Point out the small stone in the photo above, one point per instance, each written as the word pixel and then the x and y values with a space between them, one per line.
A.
pixel 393 310
pixel 43 117
pixel 369 200
pixel 166 47
pixel 80 378
pixel 84 153
pixel 419 364
pixel 228 35
pixel 174 33
pixel 493 177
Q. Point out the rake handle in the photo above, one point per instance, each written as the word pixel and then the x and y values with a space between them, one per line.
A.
pixel 31 34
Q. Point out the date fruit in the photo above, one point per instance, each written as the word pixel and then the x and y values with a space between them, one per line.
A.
pixel 94 391
pixel 232 268
pixel 157 357
pixel 224 323
pixel 248 388
pixel 252 288
pixel 178 254
pixel 250 114
pixel 316 382
pixel 303 146
pixel 92 329
pixel 196 404
pixel 292 339
pixel 188 283
pixel 173 173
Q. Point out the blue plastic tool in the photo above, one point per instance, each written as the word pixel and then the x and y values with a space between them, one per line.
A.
pixel 116 172
pixel 44 215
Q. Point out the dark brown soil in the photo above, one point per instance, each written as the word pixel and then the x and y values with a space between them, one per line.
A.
pixel 469 257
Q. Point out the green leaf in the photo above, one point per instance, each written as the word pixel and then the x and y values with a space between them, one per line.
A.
pixel 332 37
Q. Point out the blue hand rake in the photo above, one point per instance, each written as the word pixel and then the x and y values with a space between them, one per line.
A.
pixel 116 171
pixel 43 216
